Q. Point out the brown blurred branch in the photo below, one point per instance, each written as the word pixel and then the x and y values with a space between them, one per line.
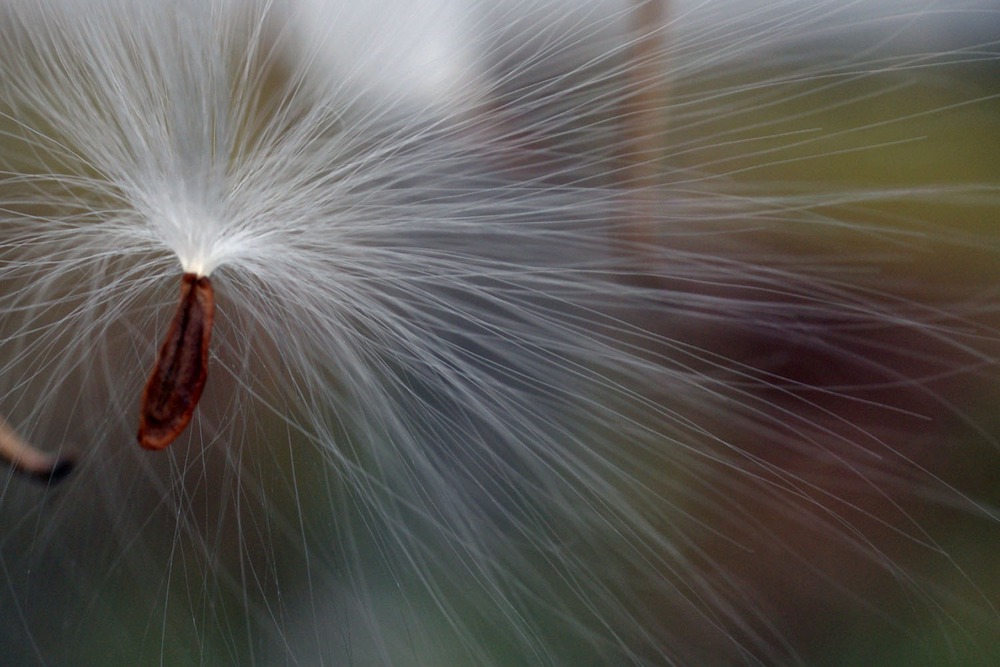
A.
pixel 643 128
pixel 27 459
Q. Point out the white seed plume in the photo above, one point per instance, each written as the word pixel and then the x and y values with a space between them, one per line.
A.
pixel 520 354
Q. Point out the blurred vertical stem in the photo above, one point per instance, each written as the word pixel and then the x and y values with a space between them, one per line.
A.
pixel 643 129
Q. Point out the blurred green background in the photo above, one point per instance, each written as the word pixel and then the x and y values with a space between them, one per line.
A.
pixel 912 141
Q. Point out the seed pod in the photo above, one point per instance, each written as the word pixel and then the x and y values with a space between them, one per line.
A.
pixel 178 378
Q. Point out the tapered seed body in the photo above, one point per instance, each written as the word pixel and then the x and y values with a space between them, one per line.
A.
pixel 178 377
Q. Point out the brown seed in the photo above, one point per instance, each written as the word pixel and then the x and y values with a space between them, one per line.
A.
pixel 177 380
pixel 28 460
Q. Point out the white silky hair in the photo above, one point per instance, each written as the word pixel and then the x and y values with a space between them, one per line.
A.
pixel 488 385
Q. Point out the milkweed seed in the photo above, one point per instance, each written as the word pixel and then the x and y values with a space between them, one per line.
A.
pixel 178 378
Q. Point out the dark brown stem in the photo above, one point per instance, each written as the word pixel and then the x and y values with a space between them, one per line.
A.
pixel 28 460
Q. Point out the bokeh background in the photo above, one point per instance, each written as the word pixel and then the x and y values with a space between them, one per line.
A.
pixel 899 145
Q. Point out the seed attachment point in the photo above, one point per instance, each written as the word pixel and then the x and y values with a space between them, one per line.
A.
pixel 178 377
